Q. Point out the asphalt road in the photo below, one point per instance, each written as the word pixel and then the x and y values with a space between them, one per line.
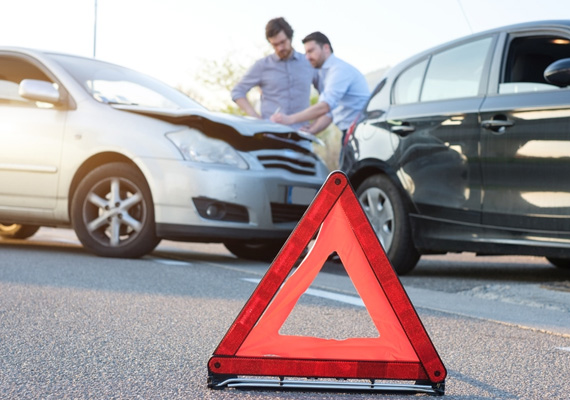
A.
pixel 73 325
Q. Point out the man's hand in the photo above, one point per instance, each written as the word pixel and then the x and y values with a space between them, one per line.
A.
pixel 306 129
pixel 281 119
pixel 317 112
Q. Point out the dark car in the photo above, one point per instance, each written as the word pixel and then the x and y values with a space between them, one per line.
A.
pixel 466 147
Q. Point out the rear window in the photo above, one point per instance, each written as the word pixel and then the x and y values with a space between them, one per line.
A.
pixel 409 84
pixel 453 73
pixel 457 72
pixel 377 101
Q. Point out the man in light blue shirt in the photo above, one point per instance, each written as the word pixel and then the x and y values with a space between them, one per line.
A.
pixel 285 77
pixel 343 89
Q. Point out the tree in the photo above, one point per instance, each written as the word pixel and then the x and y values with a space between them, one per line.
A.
pixel 218 77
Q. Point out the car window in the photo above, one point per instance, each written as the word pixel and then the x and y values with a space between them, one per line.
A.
pixel 13 71
pixel 376 101
pixel 409 83
pixel 527 58
pixel 113 84
pixel 456 72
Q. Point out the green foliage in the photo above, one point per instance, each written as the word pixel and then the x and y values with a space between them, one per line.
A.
pixel 219 77
pixel 223 76
pixel 314 96
pixel 330 152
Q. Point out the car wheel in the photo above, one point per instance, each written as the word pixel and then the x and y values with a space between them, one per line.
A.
pixel 17 231
pixel 563 263
pixel 388 214
pixel 113 214
pixel 257 251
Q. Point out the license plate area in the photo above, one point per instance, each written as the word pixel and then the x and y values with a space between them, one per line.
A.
pixel 300 195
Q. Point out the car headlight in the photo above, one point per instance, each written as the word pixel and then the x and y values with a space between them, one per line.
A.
pixel 197 147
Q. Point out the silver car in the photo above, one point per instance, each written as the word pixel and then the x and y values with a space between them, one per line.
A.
pixel 127 161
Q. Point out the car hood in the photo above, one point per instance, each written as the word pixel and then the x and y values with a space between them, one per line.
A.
pixel 244 133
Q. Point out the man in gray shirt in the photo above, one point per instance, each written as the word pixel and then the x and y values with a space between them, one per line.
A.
pixel 284 77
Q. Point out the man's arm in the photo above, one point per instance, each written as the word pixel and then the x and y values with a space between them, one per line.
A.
pixel 319 125
pixel 246 106
pixel 248 81
pixel 313 112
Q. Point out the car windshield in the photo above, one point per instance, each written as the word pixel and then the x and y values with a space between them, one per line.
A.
pixel 112 84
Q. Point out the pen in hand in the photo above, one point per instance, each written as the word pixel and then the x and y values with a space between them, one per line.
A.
pixel 276 117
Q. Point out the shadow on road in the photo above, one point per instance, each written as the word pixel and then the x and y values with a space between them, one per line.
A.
pixel 450 273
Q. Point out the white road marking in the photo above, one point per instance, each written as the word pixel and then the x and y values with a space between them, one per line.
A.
pixel 170 262
pixel 355 301
pixel 454 304
pixel 66 241
pixel 564 348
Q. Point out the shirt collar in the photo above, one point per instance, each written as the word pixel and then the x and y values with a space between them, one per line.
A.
pixel 295 55
pixel 329 62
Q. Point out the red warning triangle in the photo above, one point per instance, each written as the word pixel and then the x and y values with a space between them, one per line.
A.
pixel 403 350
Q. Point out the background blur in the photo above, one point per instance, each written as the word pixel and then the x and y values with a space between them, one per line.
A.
pixel 204 47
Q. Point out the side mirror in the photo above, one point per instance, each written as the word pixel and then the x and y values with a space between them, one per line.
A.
pixel 43 91
pixel 558 73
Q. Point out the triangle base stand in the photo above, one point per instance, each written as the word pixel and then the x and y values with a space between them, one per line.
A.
pixel 340 385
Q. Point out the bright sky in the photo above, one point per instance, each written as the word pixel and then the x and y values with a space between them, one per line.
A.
pixel 171 39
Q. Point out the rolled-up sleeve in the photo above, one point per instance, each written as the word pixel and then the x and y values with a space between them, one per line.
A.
pixel 335 87
pixel 251 79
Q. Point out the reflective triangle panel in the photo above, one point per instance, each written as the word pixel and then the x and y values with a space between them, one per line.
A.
pixel 402 349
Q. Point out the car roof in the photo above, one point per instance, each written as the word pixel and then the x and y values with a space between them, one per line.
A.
pixel 545 24
pixel 32 50
pixel 520 26
pixel 43 54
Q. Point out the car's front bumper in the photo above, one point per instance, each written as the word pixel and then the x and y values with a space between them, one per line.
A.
pixel 255 203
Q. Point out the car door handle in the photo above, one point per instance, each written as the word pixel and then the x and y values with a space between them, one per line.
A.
pixel 403 130
pixel 497 125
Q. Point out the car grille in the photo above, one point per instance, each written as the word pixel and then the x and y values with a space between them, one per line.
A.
pixel 293 162
pixel 287 212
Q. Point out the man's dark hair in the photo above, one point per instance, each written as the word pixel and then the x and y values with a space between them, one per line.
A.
pixel 277 25
pixel 318 37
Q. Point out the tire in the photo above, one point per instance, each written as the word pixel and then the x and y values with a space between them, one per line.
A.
pixel 388 214
pixel 256 251
pixel 113 214
pixel 563 263
pixel 17 231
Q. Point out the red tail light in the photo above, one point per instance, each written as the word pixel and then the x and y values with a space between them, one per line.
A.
pixel 350 131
